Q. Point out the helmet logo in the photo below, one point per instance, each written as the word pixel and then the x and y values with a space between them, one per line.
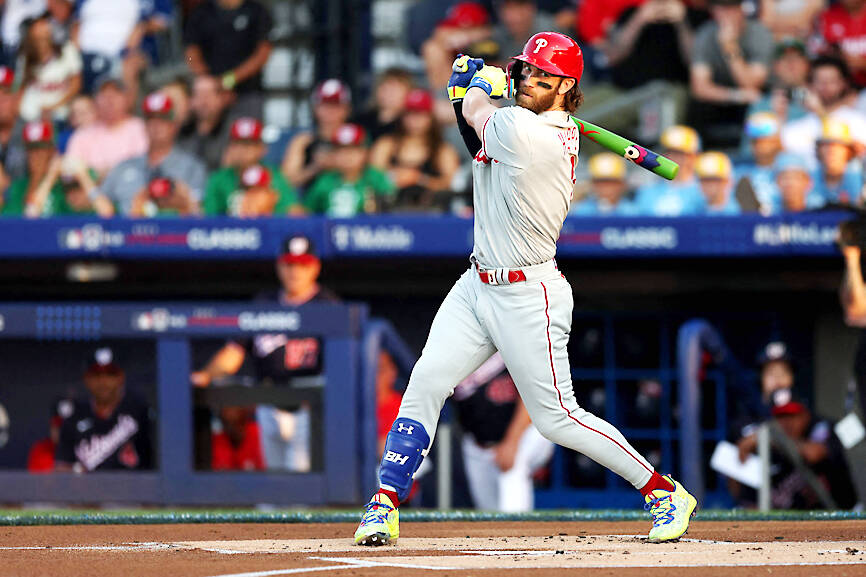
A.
pixel 539 44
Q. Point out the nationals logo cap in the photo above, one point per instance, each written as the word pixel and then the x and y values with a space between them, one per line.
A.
pixel 158 105
pixel 256 177
pixel 350 135
pixel 7 78
pixel 247 129
pixel 39 134
pixel 298 249
pixel 332 91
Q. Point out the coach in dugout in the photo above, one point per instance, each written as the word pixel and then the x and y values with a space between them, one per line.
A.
pixel 277 358
pixel 108 431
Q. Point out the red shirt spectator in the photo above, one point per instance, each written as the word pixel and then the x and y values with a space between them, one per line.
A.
pixel 41 456
pixel 595 17
pixel 245 456
pixel 843 26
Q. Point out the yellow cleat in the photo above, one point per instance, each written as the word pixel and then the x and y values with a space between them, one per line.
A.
pixel 671 511
pixel 380 524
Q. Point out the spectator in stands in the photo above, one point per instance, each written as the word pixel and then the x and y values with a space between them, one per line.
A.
pixel 110 430
pixel 128 184
pixel 841 30
pixel 764 143
pixel 730 65
pixel 237 445
pixel 52 74
pixel 790 79
pixel 817 445
pixel 516 21
pixel 109 33
pixel 837 179
pixel 420 164
pixel 355 187
pixel 279 357
pixel 224 193
pixel 13 160
pixel 178 90
pixel 464 24
pixel 51 186
pixel 206 135
pixel 852 297
pixel 608 188
pixel 501 447
pixel 310 153
pixel 15 14
pixel 682 196
pixel 792 19
pixel 115 137
pixel 794 185
pixel 596 17
pixel 389 101
pixel 715 174
pixel 829 94
pixel 40 458
pixel 231 39
pixel 82 112
pixel 258 196
pixel 657 32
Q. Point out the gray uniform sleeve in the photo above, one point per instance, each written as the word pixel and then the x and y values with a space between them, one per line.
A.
pixel 506 136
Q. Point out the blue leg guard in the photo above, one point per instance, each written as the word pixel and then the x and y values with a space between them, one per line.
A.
pixel 405 448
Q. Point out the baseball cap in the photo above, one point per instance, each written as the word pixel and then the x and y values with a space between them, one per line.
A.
pixel 298 249
pixel 7 77
pixel 834 130
pixel 681 139
pixel 762 125
pixel 102 361
pixel 606 166
pixel 332 91
pixel 774 351
pixel 350 135
pixel 256 176
pixel 785 402
pixel 246 128
pixel 713 165
pixel 465 15
pixel 38 134
pixel 160 187
pixel 790 43
pixel 419 100
pixel 790 161
pixel 158 105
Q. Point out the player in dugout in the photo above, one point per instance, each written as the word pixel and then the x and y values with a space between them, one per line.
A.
pixel 108 431
pixel 277 357
pixel 512 298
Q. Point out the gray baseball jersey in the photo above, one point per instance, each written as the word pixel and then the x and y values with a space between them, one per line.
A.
pixel 523 179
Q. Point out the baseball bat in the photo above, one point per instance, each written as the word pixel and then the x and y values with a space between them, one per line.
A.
pixel 643 157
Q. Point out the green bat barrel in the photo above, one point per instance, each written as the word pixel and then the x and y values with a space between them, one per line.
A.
pixel 664 167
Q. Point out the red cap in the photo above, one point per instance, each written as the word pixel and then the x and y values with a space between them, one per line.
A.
pixel 158 105
pixel 38 134
pixel 349 135
pixel 159 188
pixel 7 77
pixel 466 15
pixel 256 177
pixel 789 408
pixel 332 91
pixel 554 53
pixel 298 249
pixel 247 128
pixel 419 100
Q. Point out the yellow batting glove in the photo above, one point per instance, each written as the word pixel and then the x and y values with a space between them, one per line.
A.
pixel 492 80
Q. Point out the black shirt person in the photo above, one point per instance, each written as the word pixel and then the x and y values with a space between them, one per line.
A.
pixel 108 431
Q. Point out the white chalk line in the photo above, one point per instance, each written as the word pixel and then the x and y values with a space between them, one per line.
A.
pixel 347 563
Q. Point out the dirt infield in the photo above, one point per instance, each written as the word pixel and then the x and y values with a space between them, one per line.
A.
pixel 836 548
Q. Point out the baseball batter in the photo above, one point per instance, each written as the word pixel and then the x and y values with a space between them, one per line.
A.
pixel 513 299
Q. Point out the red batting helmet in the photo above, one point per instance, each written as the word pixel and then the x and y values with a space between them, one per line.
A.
pixel 554 53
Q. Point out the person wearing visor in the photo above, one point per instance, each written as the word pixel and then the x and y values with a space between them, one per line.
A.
pixel 714 172
pixel 681 196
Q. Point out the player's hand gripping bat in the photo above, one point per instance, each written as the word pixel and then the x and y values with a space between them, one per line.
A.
pixel 643 157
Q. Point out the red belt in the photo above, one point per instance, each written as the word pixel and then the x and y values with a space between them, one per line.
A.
pixel 489 276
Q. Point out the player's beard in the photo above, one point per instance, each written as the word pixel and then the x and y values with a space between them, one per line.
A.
pixel 539 101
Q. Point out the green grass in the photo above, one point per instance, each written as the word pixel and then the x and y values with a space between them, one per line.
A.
pixel 173 516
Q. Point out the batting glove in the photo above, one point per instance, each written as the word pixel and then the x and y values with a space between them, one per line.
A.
pixel 462 71
pixel 492 80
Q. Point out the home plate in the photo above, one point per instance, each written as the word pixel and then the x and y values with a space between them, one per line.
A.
pixel 559 551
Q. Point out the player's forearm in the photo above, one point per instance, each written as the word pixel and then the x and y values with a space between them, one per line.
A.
pixel 477 108
pixel 252 65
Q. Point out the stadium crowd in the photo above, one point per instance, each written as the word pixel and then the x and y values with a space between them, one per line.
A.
pixel 771 108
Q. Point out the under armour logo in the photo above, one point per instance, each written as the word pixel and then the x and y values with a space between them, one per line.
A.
pixel 396 457
pixel 407 428
pixel 539 44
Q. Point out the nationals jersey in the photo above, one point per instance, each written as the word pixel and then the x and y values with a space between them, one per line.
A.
pixel 523 179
